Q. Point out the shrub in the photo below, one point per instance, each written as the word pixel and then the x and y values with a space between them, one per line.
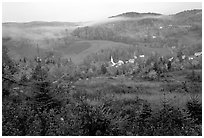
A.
pixel 167 121
pixel 195 77
pixel 152 75
pixel 195 110
pixel 103 69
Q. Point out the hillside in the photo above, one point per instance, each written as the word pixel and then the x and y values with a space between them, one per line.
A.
pixel 135 14
pixel 40 23
pixel 150 30
pixel 76 50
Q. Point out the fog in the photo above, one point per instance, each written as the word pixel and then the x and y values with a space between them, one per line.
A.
pixel 89 10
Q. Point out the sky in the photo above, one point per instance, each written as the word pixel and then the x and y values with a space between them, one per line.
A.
pixel 86 10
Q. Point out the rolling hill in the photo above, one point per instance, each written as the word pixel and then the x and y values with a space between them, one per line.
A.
pixel 77 40
pixel 150 29
pixel 135 14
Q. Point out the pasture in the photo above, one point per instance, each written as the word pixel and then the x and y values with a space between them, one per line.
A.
pixel 122 87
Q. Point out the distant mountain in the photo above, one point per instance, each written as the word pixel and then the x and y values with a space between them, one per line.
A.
pixel 189 16
pixel 189 12
pixel 40 23
pixel 135 14
pixel 78 40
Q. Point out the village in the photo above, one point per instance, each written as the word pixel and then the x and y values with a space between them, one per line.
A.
pixel 130 73
pixel 146 66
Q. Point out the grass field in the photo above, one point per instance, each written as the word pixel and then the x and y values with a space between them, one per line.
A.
pixel 155 92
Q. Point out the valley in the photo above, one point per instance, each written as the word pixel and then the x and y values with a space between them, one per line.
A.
pixel 129 74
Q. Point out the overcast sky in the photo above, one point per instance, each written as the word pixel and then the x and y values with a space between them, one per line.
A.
pixel 76 11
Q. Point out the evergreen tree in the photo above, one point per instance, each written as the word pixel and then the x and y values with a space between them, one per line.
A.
pixel 43 99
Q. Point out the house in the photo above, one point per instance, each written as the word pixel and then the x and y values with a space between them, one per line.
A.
pixel 131 61
pixel 38 59
pixel 141 56
pixel 154 37
pixel 173 47
pixel 120 62
pixel 16 88
pixel 170 59
pixel 183 56
pixel 198 54
pixel 190 58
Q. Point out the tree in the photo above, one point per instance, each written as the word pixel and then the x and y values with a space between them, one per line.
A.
pixel 8 70
pixel 43 97
pixel 169 65
pixel 39 74
pixel 103 69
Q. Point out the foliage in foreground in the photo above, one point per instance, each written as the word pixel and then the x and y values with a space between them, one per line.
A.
pixel 111 117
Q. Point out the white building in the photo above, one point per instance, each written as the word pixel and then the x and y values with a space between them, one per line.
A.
pixel 131 61
pixel 120 62
pixel 141 56
pixel 198 54
pixel 183 56
pixel 154 37
pixel 170 59
pixel 190 58
pixel 112 62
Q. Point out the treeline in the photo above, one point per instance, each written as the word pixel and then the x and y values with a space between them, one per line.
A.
pixel 145 31
pixel 128 32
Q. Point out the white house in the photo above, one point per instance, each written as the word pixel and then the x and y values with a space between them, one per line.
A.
pixel 190 58
pixel 120 62
pixel 198 54
pixel 38 59
pixel 131 61
pixel 154 37
pixel 16 88
pixel 170 59
pixel 183 56
pixel 141 56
